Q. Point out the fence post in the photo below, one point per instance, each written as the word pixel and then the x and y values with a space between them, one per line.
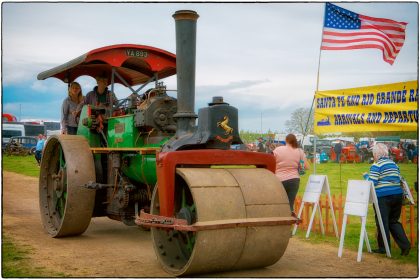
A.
pixel 309 217
pixel 321 218
pixel 335 213
pixel 412 231
pixel 297 204
pixel 403 218
pixel 318 221
pixel 326 215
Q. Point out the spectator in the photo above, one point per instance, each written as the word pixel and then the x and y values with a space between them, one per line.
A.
pixel 39 148
pixel 385 175
pixel 337 149
pixel 261 146
pixel 287 161
pixel 69 109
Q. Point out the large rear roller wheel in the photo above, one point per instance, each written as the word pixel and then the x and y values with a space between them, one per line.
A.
pixel 66 207
pixel 207 194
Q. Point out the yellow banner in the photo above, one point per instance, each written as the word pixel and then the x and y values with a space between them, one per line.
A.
pixel 390 107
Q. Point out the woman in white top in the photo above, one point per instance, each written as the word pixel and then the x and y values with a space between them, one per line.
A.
pixel 287 162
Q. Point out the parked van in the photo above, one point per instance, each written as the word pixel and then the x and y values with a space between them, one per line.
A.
pixel 27 142
pixel 19 129
pixel 11 130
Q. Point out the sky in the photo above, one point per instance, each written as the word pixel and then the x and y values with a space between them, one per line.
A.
pixel 263 58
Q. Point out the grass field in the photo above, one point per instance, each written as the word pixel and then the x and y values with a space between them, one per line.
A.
pixel 16 262
pixel 338 175
pixel 25 165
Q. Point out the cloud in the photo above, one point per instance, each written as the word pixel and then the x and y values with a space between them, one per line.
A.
pixel 261 57
pixel 39 86
pixel 256 98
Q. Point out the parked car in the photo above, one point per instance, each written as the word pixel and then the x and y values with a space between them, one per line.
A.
pixel 323 148
pixel 26 142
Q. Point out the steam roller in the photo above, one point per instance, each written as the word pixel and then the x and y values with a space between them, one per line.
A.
pixel 230 213
pixel 146 161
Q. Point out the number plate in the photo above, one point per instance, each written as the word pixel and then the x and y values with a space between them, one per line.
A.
pixel 136 53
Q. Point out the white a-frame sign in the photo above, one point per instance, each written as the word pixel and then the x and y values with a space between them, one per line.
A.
pixel 359 194
pixel 316 185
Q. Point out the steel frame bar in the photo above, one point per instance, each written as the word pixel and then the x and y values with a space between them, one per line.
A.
pixel 142 151
pixel 149 220
pixel 167 162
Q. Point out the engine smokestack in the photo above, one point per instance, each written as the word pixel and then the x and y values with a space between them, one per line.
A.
pixel 186 22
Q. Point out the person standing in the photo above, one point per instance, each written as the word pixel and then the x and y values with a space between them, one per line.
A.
pixel 100 95
pixel 337 149
pixel 261 147
pixel 287 162
pixel 39 147
pixel 69 109
pixel 385 175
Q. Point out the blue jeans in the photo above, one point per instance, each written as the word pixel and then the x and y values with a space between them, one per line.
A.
pixel 390 208
pixel 38 155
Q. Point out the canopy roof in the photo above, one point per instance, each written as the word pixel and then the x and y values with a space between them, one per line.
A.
pixel 136 64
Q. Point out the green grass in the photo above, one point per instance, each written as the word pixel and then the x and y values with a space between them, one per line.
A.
pixel 337 178
pixel 16 262
pixel 351 241
pixel 25 165
pixel 338 175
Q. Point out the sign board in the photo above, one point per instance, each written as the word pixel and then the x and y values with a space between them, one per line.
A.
pixel 359 194
pixel 358 198
pixel 406 192
pixel 316 185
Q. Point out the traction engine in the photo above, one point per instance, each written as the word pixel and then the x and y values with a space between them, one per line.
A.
pixel 144 161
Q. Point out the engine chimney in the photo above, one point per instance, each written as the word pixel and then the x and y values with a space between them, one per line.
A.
pixel 185 64
pixel 218 124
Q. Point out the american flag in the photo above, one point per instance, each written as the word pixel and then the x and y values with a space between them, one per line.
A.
pixel 346 30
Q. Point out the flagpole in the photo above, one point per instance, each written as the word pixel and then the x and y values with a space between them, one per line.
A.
pixel 319 67
pixel 313 99
pixel 317 88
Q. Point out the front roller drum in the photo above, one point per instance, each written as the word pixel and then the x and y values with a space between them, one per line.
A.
pixel 66 206
pixel 217 195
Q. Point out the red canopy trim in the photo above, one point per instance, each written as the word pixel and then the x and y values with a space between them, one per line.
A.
pixel 135 63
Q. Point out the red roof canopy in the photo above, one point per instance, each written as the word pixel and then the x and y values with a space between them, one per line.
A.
pixel 135 63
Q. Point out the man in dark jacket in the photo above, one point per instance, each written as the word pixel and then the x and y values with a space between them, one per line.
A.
pixel 261 146
pixel 100 95
pixel 337 149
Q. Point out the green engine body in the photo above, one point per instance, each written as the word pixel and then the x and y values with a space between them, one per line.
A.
pixel 124 144
pixel 145 127
pixel 122 133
